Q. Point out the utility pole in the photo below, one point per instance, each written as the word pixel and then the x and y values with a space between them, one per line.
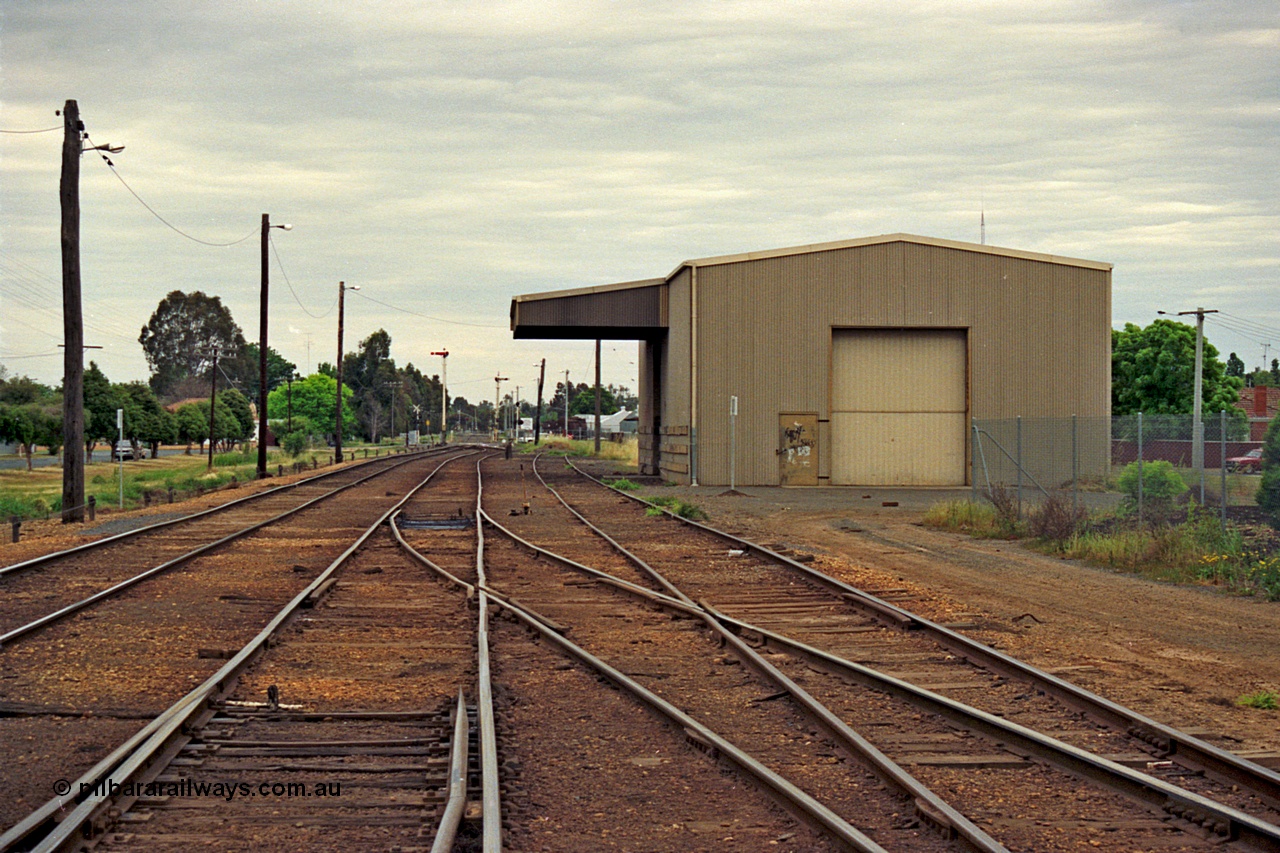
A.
pixel 72 320
pixel 444 393
pixel 597 396
pixel 537 415
pixel 337 437
pixel 262 349
pixel 566 404
pixel 213 402
pixel 1197 425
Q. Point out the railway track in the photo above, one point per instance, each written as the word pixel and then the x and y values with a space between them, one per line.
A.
pixel 646 686
pixel 793 604
pixel 74 690
pixel 331 729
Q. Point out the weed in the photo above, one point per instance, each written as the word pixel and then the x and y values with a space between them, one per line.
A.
pixel 975 519
pixel 675 505
pixel 623 484
pixel 1056 520
pixel 1266 700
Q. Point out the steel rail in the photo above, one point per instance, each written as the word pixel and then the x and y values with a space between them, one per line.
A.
pixel 931 808
pixel 101 595
pixel 1224 822
pixel 490 793
pixel 457 802
pixel 98 543
pixel 702 737
pixel 1170 743
pixel 140 751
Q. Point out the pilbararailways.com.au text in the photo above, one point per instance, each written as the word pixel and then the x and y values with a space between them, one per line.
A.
pixel 226 790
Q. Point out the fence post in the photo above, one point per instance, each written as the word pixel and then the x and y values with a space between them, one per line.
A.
pixel 1139 467
pixel 16 521
pixel 1075 467
pixel 1019 466
pixel 973 463
pixel 1222 463
pixel 171 494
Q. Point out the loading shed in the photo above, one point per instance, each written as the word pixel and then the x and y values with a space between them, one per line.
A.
pixel 859 362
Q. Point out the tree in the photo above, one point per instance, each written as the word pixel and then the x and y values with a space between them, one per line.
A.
pixel 585 402
pixel 28 425
pixel 1235 365
pixel 1153 371
pixel 145 420
pixel 314 399
pixel 193 422
pixel 180 338
pixel 239 406
pixel 1268 496
pixel 242 371
pixel 100 404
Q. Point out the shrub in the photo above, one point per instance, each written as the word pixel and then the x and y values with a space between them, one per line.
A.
pixel 1056 521
pixel 1263 699
pixel 623 485
pixel 296 442
pixel 1269 490
pixel 677 506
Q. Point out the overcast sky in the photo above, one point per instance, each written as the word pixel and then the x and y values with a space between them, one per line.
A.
pixel 448 156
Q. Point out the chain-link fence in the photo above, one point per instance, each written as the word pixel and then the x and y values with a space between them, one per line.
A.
pixel 1096 462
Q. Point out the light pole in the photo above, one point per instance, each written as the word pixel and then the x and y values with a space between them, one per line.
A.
pixel 262 349
pixel 337 439
pixel 444 393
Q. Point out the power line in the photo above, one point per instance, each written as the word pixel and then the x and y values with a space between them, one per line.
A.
pixel 42 130
pixel 361 294
pixel 167 223
pixel 280 264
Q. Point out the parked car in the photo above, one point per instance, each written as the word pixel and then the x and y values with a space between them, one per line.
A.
pixel 1250 463
pixel 122 450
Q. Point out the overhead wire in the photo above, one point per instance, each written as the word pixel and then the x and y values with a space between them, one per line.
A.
pixel 362 295
pixel 167 223
pixel 305 310
pixel 41 130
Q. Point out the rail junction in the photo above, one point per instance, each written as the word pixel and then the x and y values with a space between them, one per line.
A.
pixel 455 651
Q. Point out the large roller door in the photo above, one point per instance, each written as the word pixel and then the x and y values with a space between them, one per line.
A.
pixel 898 407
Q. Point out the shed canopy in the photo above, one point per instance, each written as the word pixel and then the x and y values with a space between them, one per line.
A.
pixel 631 310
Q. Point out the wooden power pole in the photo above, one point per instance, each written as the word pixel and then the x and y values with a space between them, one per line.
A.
pixel 537 414
pixel 597 396
pixel 213 402
pixel 72 320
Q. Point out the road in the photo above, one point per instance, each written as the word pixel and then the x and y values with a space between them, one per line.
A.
pixel 43 460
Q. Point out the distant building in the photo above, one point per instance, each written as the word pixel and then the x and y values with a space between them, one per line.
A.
pixel 1261 404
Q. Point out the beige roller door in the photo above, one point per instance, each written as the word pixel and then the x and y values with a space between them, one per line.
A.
pixel 898 407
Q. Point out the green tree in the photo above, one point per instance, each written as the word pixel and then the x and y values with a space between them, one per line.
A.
pixel 180 338
pixel 1153 371
pixel 239 406
pixel 314 399
pixel 100 404
pixel 243 370
pixel 27 425
pixel 145 420
pixel 1268 496
pixel 585 402
pixel 1235 366
pixel 193 422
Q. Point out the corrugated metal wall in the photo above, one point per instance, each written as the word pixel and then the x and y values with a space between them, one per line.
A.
pixel 1039 337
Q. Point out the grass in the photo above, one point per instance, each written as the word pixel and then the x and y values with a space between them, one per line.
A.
pixel 1265 700
pixel 1199 550
pixel 623 485
pixel 38 493
pixel 624 451
pixel 677 506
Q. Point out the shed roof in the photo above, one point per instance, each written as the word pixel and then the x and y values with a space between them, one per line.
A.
pixel 637 310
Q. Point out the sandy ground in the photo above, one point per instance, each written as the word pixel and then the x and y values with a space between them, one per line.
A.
pixel 1179 654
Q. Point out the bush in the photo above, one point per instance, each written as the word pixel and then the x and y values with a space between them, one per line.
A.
pixel 1269 491
pixel 296 442
pixel 1161 486
pixel 677 506
pixel 1055 520
pixel 623 485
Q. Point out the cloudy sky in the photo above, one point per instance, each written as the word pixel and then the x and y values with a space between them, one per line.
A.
pixel 447 156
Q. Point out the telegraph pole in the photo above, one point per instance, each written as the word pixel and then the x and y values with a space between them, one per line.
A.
pixel 72 320
pixel 213 402
pixel 1197 424
pixel 597 396
pixel 566 404
pixel 537 415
